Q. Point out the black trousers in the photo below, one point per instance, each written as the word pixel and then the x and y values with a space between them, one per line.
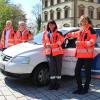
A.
pixel 2 49
pixel 55 65
pixel 85 63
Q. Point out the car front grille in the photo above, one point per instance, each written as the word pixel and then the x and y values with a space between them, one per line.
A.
pixel 5 57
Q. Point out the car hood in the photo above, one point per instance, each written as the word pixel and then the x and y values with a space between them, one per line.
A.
pixel 21 48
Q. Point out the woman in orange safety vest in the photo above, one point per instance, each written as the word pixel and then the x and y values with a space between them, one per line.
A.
pixel 7 38
pixel 22 34
pixel 52 41
pixel 86 38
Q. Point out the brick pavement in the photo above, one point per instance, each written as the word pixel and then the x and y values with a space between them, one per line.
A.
pixel 16 89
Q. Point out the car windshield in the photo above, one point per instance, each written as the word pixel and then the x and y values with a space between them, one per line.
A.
pixel 38 37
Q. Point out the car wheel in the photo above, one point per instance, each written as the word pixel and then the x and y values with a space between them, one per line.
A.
pixel 40 75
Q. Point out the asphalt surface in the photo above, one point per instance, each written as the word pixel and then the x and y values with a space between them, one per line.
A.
pixel 23 89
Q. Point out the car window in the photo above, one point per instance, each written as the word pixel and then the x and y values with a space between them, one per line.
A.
pixel 97 44
pixel 38 38
pixel 71 41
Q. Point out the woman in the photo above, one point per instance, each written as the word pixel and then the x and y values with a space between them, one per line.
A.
pixel 7 38
pixel 22 34
pixel 52 41
pixel 86 38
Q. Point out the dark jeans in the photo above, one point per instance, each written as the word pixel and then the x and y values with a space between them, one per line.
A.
pixel 55 65
pixel 85 63
pixel 2 49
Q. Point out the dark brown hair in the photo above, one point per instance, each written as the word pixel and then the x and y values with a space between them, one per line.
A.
pixel 51 22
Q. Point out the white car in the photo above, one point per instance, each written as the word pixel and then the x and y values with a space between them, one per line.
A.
pixel 28 59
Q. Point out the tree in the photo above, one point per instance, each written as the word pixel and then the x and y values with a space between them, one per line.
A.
pixel 16 15
pixel 9 12
pixel 38 23
pixel 7 1
pixel 37 9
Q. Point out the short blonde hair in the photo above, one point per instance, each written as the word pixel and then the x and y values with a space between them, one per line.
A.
pixel 8 21
pixel 21 22
pixel 83 19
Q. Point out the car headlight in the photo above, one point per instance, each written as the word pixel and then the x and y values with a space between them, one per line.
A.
pixel 21 60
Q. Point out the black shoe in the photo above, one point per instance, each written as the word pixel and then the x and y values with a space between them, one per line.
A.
pixel 77 91
pixel 85 91
pixel 52 84
pixel 51 87
pixel 57 86
pixel 82 92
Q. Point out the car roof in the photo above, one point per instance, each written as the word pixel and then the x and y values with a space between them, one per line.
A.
pixel 66 30
pixel 96 28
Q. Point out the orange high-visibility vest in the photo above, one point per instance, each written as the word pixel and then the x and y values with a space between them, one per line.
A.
pixel 10 38
pixel 46 41
pixel 55 41
pixel 22 37
pixel 86 39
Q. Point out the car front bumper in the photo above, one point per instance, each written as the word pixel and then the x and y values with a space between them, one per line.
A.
pixel 14 75
pixel 11 70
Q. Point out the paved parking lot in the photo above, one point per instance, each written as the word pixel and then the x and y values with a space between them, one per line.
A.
pixel 16 89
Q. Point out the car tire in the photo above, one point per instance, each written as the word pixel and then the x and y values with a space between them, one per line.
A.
pixel 40 75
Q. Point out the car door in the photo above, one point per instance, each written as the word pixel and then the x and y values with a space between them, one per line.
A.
pixel 69 59
pixel 96 62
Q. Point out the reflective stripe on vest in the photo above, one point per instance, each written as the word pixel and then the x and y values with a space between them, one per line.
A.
pixel 58 77
pixel 84 50
pixel 89 42
pixel 52 77
pixel 48 50
pixel 11 43
pixel 47 43
pixel 59 43
pixel 55 49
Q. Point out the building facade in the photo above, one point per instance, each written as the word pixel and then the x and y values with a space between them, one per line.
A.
pixel 66 13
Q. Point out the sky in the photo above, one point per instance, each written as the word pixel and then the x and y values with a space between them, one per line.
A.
pixel 26 6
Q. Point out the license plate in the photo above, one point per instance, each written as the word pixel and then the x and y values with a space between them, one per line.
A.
pixel 2 66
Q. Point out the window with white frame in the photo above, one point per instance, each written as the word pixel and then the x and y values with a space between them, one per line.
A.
pixel 81 10
pixel 91 11
pixel 58 13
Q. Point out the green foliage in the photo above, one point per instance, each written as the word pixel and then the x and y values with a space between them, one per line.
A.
pixel 9 12
pixel 37 9
pixel 38 23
